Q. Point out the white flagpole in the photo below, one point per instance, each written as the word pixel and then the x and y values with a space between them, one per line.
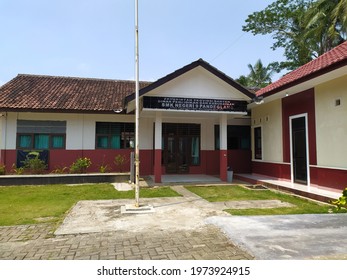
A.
pixel 137 109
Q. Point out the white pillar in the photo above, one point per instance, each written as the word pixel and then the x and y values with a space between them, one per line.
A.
pixel 158 131
pixel 223 126
pixel 223 153
pixel 157 147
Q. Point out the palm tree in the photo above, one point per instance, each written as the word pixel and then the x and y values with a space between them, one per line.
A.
pixel 339 17
pixel 259 75
pixel 326 21
pixel 243 80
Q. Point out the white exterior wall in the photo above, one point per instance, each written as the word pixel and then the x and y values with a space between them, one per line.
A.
pixel 331 123
pixel 80 128
pixel 2 130
pixel 198 83
pixel 269 117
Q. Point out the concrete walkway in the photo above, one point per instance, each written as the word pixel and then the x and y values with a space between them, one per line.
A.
pixel 288 236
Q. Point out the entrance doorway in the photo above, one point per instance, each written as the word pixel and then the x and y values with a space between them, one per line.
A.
pixel 181 147
pixel 299 150
pixel 177 154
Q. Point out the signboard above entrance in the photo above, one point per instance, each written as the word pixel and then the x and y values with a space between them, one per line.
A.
pixel 194 104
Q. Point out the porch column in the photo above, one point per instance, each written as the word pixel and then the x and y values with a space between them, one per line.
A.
pixel 223 152
pixel 157 147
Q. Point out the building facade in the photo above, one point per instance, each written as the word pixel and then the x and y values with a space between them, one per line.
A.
pixel 196 120
pixel 185 121
pixel 299 125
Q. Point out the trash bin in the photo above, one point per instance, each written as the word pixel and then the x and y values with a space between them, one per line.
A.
pixel 230 174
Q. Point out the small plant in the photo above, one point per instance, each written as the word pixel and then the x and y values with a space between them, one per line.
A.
pixel 342 201
pixel 119 161
pixel 33 164
pixel 2 169
pixel 80 165
pixel 104 168
pixel 17 170
pixel 60 170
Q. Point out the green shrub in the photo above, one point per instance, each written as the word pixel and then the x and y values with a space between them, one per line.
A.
pixel 33 164
pixel 80 165
pixel 104 168
pixel 17 170
pixel 119 161
pixel 342 201
pixel 60 170
pixel 2 169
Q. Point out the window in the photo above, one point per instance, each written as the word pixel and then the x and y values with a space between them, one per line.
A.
pixel 40 141
pixel 41 135
pixel 238 137
pixel 115 135
pixel 257 143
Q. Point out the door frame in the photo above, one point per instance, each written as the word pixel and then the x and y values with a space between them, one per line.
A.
pixel 305 115
pixel 176 148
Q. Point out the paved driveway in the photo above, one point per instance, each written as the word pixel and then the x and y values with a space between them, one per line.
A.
pixel 288 236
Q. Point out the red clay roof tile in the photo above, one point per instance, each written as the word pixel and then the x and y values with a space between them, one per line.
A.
pixel 309 70
pixel 50 93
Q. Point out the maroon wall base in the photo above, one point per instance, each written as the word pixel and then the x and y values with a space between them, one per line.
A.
pixel 325 177
pixel 328 177
pixel 276 170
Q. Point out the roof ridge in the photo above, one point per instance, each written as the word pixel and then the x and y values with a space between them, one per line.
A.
pixel 78 78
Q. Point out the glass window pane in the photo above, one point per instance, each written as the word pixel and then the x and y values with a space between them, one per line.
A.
pixel 57 141
pixel 195 151
pixel 25 141
pixel 216 137
pixel 257 143
pixel 102 142
pixel 115 142
pixel 102 128
pixel 41 141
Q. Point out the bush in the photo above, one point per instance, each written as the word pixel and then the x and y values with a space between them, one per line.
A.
pixel 104 168
pixel 2 169
pixel 17 170
pixel 33 164
pixel 60 170
pixel 119 161
pixel 342 201
pixel 80 165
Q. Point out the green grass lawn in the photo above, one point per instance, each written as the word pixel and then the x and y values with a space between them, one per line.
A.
pixel 227 193
pixel 34 204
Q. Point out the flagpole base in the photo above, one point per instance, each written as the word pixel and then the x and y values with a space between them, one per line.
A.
pixel 141 209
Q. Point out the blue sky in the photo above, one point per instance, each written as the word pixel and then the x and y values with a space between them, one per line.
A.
pixel 95 38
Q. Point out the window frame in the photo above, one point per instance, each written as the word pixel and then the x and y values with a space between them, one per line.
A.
pixel 50 142
pixel 126 135
pixel 255 144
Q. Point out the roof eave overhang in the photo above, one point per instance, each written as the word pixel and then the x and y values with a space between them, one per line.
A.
pixel 306 82
pixel 61 111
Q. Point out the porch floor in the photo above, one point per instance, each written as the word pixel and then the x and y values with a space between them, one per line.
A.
pixel 313 191
pixel 188 178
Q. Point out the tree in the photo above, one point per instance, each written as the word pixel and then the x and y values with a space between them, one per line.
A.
pixel 243 80
pixel 284 20
pixel 259 75
pixel 326 20
pixel 305 29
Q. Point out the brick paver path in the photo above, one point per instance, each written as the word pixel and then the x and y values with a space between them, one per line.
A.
pixel 38 242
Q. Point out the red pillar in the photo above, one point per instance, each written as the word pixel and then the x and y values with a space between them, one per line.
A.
pixel 223 165
pixel 157 166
